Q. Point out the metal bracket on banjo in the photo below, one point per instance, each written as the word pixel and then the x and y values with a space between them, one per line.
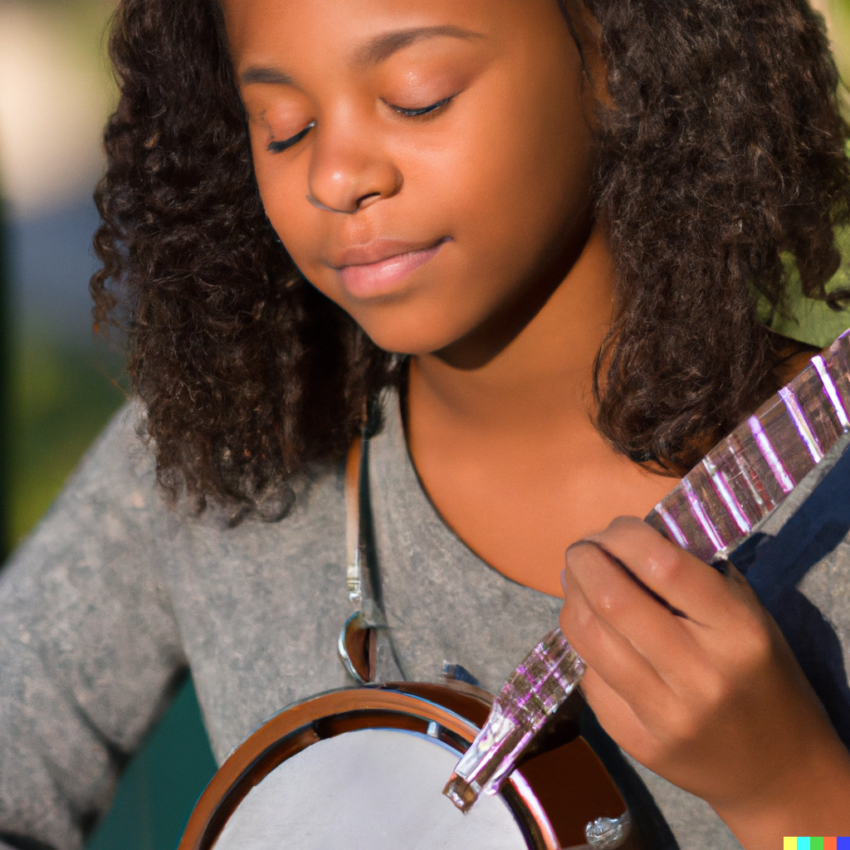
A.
pixel 719 503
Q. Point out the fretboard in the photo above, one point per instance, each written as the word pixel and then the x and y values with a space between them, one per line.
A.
pixel 742 479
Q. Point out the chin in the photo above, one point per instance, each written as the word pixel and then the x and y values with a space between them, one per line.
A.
pixel 403 344
pixel 415 337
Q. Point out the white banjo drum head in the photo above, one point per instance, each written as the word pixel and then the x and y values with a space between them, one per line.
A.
pixel 371 789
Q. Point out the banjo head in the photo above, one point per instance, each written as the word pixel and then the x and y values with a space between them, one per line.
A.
pixel 365 768
pixel 364 790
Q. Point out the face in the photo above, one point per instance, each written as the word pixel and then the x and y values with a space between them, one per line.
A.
pixel 426 163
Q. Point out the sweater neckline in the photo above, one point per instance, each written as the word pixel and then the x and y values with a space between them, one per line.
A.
pixel 395 476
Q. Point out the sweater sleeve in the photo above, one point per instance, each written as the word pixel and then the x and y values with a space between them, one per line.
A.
pixel 89 648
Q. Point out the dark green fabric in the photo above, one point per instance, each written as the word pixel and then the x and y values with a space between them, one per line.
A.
pixel 162 784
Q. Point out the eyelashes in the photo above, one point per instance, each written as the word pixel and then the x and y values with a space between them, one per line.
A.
pixel 280 147
pixel 285 144
pixel 425 110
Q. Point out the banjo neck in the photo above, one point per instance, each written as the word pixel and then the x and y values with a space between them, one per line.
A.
pixel 744 478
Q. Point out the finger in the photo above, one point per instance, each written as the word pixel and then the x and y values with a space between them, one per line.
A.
pixel 634 616
pixel 619 719
pixel 634 579
pixel 606 651
pixel 701 592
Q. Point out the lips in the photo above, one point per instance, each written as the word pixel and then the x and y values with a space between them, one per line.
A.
pixel 377 251
pixel 379 266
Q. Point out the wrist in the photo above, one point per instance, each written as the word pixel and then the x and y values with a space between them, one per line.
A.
pixel 811 796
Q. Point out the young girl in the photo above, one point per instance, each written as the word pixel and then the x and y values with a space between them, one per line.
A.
pixel 540 228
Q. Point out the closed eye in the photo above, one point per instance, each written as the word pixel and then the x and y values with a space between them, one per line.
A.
pixel 425 110
pixel 285 144
pixel 279 147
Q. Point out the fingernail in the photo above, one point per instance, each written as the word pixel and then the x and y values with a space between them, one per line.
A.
pixel 583 542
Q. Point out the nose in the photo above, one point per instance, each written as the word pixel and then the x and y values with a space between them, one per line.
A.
pixel 349 171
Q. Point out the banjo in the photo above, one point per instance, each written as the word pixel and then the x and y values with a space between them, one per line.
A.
pixel 367 767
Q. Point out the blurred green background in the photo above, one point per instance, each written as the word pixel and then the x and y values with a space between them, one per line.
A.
pixel 61 384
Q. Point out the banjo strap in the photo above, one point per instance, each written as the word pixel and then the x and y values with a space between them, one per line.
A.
pixel 365 646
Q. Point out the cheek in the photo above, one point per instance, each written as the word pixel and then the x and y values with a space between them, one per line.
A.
pixel 546 147
pixel 283 191
pixel 278 188
pixel 522 186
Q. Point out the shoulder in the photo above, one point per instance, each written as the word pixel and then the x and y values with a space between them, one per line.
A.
pixel 119 472
pixel 110 490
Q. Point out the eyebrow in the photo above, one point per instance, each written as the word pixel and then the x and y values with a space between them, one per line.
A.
pixel 259 74
pixel 376 50
pixel 380 48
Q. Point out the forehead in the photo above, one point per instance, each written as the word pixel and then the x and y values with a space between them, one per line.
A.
pixel 267 28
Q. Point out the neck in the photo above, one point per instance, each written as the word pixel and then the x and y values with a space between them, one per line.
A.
pixel 505 446
pixel 540 380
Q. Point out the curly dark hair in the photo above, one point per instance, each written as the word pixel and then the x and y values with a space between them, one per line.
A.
pixel 720 146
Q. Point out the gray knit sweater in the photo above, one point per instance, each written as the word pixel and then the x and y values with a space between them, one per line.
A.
pixel 113 595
